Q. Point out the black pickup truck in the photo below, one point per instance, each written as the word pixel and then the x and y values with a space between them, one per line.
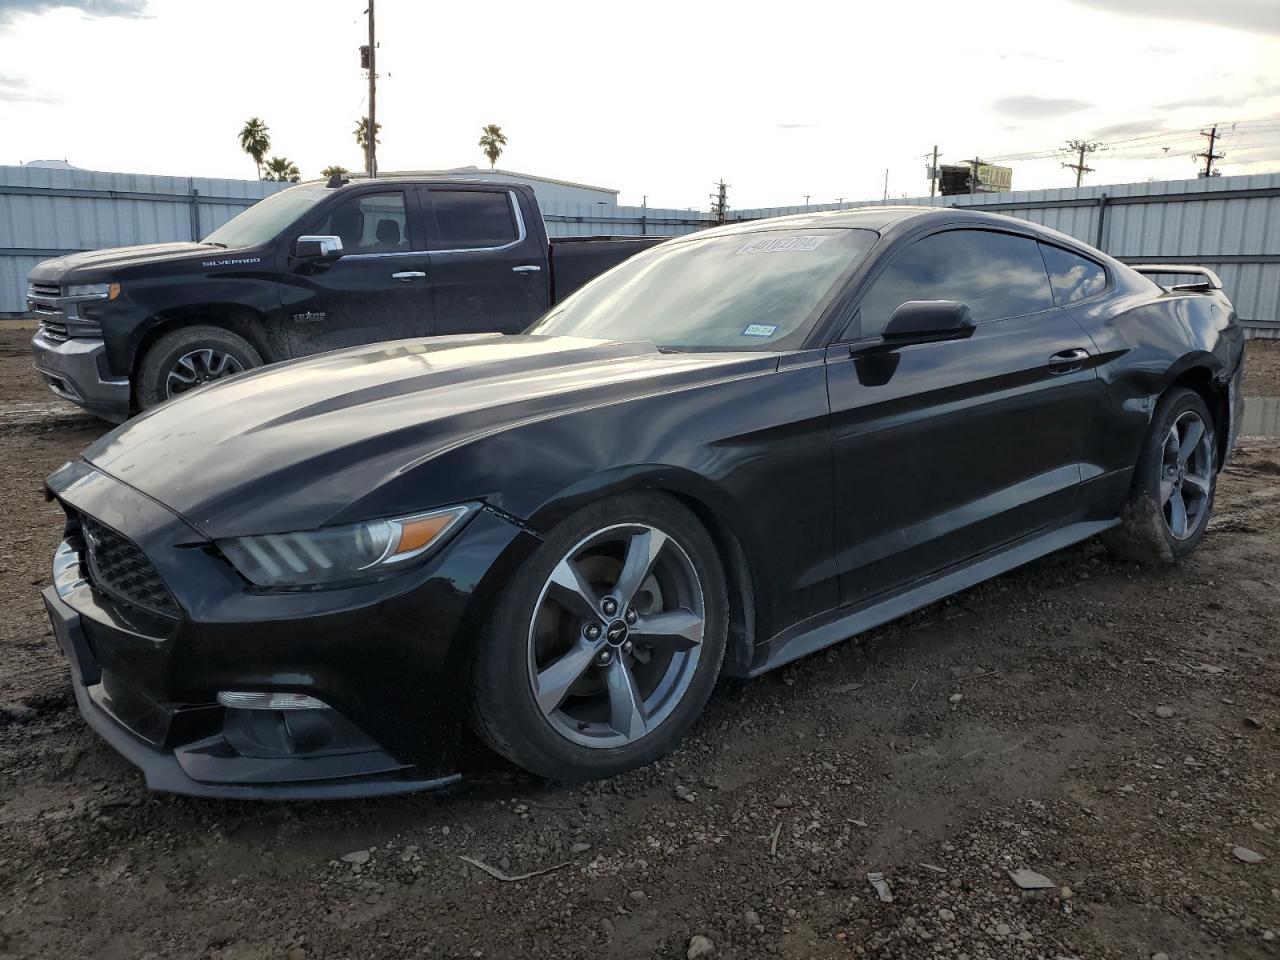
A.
pixel 316 267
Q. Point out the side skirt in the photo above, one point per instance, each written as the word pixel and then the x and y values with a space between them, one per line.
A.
pixel 824 630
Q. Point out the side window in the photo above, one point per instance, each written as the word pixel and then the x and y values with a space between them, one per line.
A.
pixel 372 223
pixel 997 274
pixel 472 218
pixel 1073 277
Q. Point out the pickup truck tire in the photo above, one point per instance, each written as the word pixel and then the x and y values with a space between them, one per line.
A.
pixel 1174 484
pixel 185 358
pixel 606 643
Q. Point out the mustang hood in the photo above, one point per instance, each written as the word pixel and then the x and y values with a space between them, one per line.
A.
pixel 92 263
pixel 289 447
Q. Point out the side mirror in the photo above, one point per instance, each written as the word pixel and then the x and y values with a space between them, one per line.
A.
pixel 924 321
pixel 318 248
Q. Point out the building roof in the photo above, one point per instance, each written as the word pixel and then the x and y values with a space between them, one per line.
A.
pixel 477 173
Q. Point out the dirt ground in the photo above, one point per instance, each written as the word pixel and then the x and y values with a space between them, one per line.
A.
pixel 1113 728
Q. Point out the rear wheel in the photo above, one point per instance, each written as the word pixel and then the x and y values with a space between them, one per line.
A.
pixel 188 357
pixel 1174 483
pixel 606 644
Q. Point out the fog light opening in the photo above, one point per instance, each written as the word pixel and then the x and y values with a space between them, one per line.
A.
pixel 258 700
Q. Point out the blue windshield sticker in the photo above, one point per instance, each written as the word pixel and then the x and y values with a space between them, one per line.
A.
pixel 760 330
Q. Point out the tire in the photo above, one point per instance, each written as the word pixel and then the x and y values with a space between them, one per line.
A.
pixel 1171 499
pixel 586 727
pixel 197 354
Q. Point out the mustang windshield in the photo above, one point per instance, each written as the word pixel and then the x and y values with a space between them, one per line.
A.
pixel 746 291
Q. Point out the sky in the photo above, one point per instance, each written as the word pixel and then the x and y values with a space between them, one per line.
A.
pixel 656 99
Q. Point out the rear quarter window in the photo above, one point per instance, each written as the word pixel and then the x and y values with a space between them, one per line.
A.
pixel 1073 277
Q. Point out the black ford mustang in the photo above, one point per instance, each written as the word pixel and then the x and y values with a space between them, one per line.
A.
pixel 730 451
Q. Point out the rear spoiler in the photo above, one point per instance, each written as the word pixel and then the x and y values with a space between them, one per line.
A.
pixel 1210 282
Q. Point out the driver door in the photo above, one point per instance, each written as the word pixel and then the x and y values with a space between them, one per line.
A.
pixel 944 451
pixel 378 290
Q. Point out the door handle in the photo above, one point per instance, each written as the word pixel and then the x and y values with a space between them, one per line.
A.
pixel 527 268
pixel 1067 361
pixel 408 275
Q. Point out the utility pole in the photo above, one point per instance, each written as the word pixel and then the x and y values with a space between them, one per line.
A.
pixel 806 198
pixel 720 202
pixel 1080 148
pixel 886 184
pixel 372 131
pixel 933 172
pixel 974 164
pixel 1209 155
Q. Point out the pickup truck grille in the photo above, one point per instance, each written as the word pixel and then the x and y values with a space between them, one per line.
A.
pixel 121 570
pixel 45 291
pixel 53 330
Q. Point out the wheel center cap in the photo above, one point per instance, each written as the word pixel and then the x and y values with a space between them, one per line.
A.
pixel 616 633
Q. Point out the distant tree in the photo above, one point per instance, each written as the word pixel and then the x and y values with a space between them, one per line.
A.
pixel 362 138
pixel 492 141
pixel 255 140
pixel 334 171
pixel 282 169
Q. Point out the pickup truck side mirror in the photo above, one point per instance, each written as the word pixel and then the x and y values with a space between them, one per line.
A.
pixel 924 321
pixel 318 249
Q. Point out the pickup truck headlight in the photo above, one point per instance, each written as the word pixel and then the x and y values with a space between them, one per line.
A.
pixel 333 555
pixel 94 291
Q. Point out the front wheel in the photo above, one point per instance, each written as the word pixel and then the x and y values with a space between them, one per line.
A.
pixel 188 357
pixel 1174 483
pixel 606 644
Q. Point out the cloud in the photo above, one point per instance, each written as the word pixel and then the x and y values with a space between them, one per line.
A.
pixel 797 126
pixel 1255 16
pixel 1129 130
pixel 16 90
pixel 11 9
pixel 1264 88
pixel 1033 108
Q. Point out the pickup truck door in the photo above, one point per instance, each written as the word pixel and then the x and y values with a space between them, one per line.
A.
pixel 944 451
pixel 489 268
pixel 378 290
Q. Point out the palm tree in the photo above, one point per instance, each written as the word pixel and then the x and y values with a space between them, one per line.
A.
pixel 334 171
pixel 255 140
pixel 282 169
pixel 362 138
pixel 492 141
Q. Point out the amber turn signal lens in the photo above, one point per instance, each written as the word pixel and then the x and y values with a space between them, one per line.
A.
pixel 416 534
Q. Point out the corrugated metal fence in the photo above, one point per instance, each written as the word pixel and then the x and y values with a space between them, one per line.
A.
pixel 1231 224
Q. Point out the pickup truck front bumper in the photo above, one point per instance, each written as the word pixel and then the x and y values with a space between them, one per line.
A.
pixel 73 369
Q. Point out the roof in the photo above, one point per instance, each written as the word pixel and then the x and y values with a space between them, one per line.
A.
pixel 478 174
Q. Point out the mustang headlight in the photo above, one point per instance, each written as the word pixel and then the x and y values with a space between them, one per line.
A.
pixel 339 554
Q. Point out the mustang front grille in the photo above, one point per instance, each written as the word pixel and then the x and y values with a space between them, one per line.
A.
pixel 121 570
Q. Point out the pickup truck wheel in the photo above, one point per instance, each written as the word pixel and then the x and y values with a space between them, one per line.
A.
pixel 188 357
pixel 606 643
pixel 1173 484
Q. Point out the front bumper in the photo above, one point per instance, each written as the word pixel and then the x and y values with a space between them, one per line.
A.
pixel 386 659
pixel 73 370
pixel 211 764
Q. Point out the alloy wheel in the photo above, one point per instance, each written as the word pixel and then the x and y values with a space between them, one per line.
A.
pixel 197 367
pixel 616 636
pixel 1186 474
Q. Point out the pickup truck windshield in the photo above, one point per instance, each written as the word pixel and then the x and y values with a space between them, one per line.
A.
pixel 266 218
pixel 745 291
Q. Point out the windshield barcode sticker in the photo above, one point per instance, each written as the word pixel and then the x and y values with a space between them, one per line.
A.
pixel 782 245
pixel 760 330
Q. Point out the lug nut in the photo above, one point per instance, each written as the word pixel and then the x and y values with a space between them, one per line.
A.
pixel 631 615
pixel 627 647
pixel 604 658
pixel 592 631
pixel 610 606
